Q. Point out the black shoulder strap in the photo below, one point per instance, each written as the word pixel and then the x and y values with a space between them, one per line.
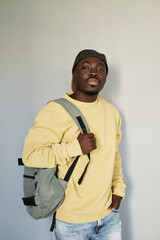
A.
pixel 82 124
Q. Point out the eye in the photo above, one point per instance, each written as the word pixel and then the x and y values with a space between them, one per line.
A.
pixel 85 67
pixel 101 69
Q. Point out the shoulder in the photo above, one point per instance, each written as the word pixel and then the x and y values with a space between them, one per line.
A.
pixel 111 111
pixel 51 111
pixel 52 106
pixel 108 106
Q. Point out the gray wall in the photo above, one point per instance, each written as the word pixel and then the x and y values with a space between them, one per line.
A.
pixel 39 40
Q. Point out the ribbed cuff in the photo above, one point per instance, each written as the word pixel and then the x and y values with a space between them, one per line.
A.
pixel 119 192
pixel 74 148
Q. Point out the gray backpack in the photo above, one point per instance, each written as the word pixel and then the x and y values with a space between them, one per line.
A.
pixel 43 191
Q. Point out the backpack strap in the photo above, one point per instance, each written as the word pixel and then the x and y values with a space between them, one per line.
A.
pixel 75 114
pixel 78 117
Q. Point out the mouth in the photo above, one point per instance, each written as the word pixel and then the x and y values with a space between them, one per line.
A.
pixel 93 81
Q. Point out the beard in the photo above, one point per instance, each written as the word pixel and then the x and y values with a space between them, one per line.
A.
pixel 92 93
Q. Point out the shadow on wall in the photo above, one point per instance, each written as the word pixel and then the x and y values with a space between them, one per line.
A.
pixel 111 93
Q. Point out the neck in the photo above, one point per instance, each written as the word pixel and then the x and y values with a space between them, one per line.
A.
pixel 84 97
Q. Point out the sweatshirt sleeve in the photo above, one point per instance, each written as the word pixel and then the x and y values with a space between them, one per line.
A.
pixel 43 147
pixel 118 185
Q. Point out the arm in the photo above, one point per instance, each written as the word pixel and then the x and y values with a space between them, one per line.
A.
pixel 43 147
pixel 118 186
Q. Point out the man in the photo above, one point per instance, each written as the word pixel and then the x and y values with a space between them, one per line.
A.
pixel 89 210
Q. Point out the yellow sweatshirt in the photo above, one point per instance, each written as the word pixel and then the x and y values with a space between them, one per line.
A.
pixel 53 141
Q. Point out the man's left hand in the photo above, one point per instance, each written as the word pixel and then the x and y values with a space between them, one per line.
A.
pixel 116 201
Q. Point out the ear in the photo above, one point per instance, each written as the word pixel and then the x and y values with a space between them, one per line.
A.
pixel 74 75
pixel 73 84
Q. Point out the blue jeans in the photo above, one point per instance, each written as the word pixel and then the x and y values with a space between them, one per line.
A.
pixel 107 228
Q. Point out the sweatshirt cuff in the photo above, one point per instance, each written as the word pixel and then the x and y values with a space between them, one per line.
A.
pixel 74 149
pixel 119 192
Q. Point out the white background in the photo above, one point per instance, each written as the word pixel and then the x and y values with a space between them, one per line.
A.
pixel 39 40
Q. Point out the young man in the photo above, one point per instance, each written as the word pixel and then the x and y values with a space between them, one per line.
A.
pixel 89 210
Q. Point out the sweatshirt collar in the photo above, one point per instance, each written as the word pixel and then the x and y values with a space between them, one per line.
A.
pixel 79 103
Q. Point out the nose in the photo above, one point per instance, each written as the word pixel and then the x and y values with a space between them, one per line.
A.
pixel 93 72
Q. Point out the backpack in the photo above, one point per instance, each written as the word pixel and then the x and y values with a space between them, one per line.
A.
pixel 43 191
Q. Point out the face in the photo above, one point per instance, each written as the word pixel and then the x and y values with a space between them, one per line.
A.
pixel 89 75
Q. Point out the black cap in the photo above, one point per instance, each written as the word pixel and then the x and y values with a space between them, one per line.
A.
pixel 90 53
